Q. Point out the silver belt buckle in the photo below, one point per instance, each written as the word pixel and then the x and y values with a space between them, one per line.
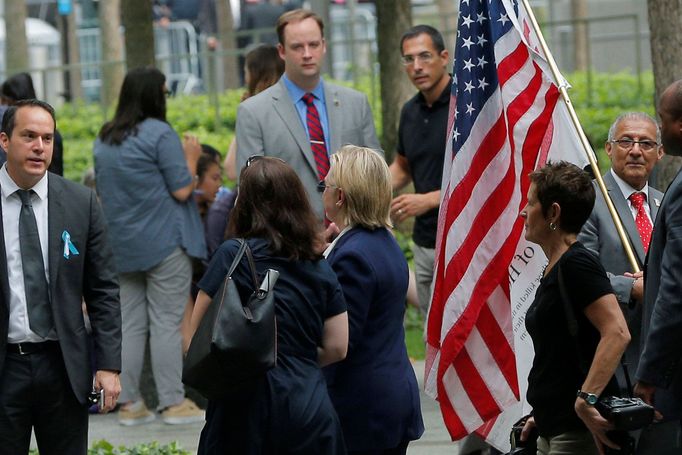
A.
pixel 21 351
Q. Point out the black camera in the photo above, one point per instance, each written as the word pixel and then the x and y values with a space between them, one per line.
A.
pixel 96 398
pixel 626 413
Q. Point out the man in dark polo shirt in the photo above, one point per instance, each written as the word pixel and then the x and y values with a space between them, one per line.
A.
pixel 421 147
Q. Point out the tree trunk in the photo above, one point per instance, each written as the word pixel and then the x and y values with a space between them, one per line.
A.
pixel 16 43
pixel 76 89
pixel 580 49
pixel 113 71
pixel 666 57
pixel 136 16
pixel 393 18
pixel 448 23
pixel 228 43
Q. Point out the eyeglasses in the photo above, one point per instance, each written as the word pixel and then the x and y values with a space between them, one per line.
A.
pixel 322 185
pixel 424 57
pixel 253 158
pixel 627 144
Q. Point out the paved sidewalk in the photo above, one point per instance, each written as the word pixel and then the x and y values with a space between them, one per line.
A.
pixel 435 440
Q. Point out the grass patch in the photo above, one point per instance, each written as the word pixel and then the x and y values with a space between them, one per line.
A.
pixel 414 334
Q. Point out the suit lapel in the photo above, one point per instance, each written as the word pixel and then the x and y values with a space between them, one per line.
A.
pixel 654 201
pixel 334 117
pixel 55 226
pixel 284 106
pixel 4 279
pixel 625 214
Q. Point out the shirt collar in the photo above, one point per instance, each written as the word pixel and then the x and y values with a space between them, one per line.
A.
pixel 9 187
pixel 296 92
pixel 443 99
pixel 626 189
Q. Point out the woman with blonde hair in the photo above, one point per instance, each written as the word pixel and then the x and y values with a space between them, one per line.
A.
pixel 374 390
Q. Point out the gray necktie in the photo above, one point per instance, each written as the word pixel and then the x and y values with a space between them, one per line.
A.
pixel 35 284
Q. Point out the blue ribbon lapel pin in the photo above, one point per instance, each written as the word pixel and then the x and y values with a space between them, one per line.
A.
pixel 69 247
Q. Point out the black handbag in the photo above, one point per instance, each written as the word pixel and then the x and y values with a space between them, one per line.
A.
pixel 626 414
pixel 235 342
pixel 519 447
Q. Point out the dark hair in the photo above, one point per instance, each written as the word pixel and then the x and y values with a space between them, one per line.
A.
pixel 272 204
pixel 18 87
pixel 204 162
pixel 436 37
pixel 210 150
pixel 265 68
pixel 570 187
pixel 296 15
pixel 142 96
pixel 8 120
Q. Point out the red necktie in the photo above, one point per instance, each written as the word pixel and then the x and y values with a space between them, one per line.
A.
pixel 316 137
pixel 641 220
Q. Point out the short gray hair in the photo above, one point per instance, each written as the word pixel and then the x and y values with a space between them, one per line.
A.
pixel 638 116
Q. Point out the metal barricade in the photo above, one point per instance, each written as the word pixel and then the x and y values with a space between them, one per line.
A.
pixel 176 49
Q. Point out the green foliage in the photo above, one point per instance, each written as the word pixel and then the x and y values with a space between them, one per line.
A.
pixel 599 101
pixel 103 447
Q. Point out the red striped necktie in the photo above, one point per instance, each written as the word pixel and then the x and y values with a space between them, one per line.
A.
pixel 316 135
pixel 641 220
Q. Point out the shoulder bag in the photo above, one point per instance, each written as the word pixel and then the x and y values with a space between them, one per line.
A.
pixel 236 341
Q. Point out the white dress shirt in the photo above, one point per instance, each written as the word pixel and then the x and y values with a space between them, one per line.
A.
pixel 19 331
pixel 627 191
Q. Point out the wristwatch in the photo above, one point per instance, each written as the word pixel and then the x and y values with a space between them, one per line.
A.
pixel 589 398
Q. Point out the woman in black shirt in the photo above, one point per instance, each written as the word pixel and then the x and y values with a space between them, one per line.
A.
pixel 569 372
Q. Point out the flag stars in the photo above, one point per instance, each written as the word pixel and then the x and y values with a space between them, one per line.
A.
pixel 466 20
pixel 468 65
pixel 467 43
pixel 455 135
pixel 481 62
pixel 503 18
pixel 481 40
pixel 470 108
pixel 469 87
pixel 480 18
pixel 482 84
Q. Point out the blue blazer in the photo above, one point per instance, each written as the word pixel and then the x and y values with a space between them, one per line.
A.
pixel 374 390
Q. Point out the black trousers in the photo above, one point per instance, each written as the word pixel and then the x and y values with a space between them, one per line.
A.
pixel 400 450
pixel 35 393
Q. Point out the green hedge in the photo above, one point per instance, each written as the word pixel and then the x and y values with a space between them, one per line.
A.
pixel 597 104
pixel 103 447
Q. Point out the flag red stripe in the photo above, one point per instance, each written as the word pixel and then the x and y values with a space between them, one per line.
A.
pixel 512 63
pixel 475 386
pixel 497 343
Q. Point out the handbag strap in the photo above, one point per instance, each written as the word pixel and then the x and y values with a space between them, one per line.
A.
pixel 244 248
pixel 572 323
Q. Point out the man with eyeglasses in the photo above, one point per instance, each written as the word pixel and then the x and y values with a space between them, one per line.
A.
pixel 302 119
pixel 421 147
pixel 633 146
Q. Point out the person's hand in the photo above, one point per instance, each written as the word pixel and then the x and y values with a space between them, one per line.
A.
pixel 527 428
pixel 407 205
pixel 192 147
pixel 597 424
pixel 635 275
pixel 109 382
pixel 646 393
pixel 637 292
pixel 329 234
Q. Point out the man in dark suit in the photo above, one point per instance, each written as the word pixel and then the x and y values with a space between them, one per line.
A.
pixel 662 315
pixel 55 255
pixel 303 119
pixel 633 146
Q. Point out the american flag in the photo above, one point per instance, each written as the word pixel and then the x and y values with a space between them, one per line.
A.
pixel 505 119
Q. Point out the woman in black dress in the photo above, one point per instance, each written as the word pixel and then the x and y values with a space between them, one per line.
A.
pixel 287 410
pixel 569 372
